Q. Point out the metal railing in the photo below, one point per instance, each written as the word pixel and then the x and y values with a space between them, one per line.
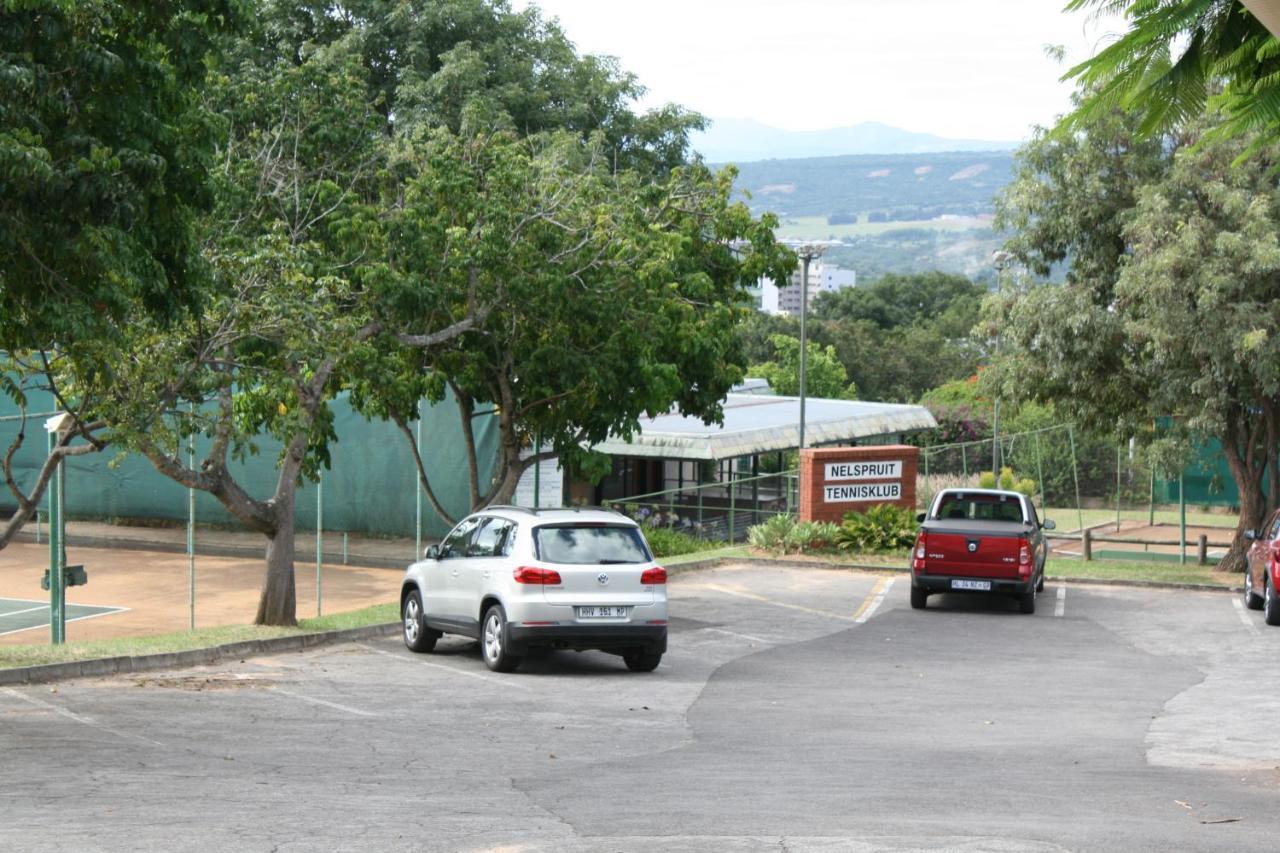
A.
pixel 721 510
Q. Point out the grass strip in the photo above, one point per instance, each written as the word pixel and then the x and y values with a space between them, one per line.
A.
pixel 1135 570
pixel 181 641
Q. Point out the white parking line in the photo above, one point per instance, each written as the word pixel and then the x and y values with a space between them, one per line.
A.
pixel 873 601
pixel 314 701
pixel 72 715
pixel 417 661
pixel 1244 617
pixel 740 636
pixel 1060 608
pixel 760 598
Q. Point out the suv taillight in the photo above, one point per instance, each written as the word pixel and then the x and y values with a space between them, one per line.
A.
pixel 654 576
pixel 534 575
pixel 918 561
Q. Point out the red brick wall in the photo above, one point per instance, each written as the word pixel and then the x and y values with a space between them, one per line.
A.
pixel 813 462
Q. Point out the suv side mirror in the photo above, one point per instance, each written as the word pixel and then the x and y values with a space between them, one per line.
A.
pixel 1048 524
pixel 1251 535
pixel 431 552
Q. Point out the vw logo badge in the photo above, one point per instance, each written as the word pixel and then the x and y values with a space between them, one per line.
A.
pixel 973 546
pixel 603 578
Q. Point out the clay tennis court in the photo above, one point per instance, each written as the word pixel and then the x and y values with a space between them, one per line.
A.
pixel 1166 534
pixel 151 589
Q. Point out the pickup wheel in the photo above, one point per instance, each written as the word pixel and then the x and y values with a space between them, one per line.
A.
pixel 1040 583
pixel 918 597
pixel 1027 601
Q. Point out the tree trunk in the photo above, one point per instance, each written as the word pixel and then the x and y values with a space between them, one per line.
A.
pixel 278 604
pixel 1248 463
pixel 506 487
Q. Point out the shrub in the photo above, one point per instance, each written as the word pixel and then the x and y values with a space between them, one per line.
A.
pixel 771 535
pixel 1009 481
pixel 666 542
pixel 883 527
pixel 811 536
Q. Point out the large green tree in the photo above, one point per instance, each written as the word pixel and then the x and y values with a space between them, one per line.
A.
pixel 605 295
pixel 103 155
pixel 824 375
pixel 104 149
pixel 895 337
pixel 478 66
pixel 1182 326
pixel 290 244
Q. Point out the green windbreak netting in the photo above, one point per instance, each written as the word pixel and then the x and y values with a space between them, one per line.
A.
pixel 370 488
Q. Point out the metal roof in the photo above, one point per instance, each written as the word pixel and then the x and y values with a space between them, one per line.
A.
pixel 759 424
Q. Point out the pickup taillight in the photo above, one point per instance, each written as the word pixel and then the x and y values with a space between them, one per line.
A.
pixel 917 560
pixel 1024 557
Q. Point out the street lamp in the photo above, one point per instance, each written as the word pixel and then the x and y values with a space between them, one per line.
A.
pixel 999 260
pixel 807 252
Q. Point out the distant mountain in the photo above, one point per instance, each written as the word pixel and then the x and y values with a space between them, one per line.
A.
pixel 899 187
pixel 892 212
pixel 731 140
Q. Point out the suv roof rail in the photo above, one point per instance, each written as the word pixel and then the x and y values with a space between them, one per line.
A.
pixel 532 511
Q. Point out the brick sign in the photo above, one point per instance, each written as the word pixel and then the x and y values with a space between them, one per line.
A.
pixel 835 480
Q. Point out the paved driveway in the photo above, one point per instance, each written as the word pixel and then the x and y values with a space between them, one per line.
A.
pixel 799 710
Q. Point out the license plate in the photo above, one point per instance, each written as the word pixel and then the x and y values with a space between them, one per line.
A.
pixel 981 586
pixel 602 612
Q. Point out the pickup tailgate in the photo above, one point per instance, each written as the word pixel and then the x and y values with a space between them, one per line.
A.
pixel 988 549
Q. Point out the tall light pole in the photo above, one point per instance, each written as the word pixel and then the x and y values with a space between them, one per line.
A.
pixel 807 252
pixel 999 260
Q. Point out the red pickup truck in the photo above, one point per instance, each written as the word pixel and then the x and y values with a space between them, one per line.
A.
pixel 979 540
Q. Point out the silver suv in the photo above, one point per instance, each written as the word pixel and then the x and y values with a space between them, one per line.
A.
pixel 516 579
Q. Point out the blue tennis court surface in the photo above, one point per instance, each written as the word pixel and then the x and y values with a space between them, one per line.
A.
pixel 21 614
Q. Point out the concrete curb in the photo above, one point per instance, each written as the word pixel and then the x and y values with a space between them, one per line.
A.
pixel 189 658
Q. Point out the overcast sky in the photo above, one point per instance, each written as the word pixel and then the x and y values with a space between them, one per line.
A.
pixel 957 68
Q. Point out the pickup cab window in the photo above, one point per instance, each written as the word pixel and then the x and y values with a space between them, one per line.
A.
pixel 979 507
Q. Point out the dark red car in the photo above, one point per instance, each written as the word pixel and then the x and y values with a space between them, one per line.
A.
pixel 980 540
pixel 1263 570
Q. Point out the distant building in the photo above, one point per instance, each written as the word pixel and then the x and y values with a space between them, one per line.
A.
pixel 823 278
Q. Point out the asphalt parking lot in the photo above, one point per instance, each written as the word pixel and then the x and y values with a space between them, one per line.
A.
pixel 798 710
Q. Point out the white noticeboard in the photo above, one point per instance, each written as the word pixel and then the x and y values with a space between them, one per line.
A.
pixel 550 485
pixel 862 492
pixel 871 470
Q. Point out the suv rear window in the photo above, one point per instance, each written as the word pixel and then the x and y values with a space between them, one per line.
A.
pixel 977 507
pixel 598 543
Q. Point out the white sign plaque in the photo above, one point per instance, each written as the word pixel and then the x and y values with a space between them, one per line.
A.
pixel 874 470
pixel 862 493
